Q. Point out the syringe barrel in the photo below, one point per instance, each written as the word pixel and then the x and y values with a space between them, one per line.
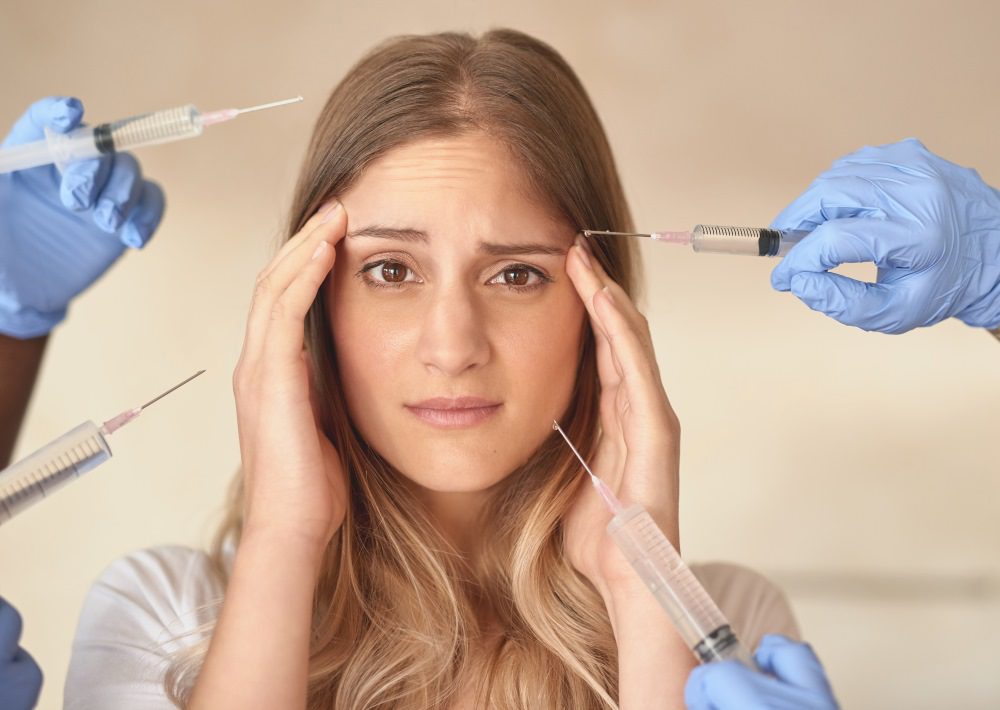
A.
pixel 51 467
pixel 149 129
pixel 695 615
pixel 744 241
pixel 91 141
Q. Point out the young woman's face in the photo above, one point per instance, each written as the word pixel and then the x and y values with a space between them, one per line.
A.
pixel 456 328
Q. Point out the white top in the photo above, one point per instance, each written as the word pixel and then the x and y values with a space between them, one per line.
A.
pixel 155 602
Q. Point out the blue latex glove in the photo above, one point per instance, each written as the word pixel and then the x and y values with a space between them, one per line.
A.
pixel 20 677
pixel 931 227
pixel 58 234
pixel 796 681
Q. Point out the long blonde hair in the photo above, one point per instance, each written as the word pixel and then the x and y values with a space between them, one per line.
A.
pixel 395 610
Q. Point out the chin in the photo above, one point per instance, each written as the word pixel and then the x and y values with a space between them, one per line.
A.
pixel 453 474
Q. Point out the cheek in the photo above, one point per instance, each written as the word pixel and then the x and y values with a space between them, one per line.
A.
pixel 371 339
pixel 538 348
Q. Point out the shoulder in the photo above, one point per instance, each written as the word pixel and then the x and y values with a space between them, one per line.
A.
pixel 165 588
pixel 143 608
pixel 753 604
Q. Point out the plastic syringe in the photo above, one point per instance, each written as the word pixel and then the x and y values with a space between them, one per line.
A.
pixel 71 455
pixel 148 129
pixel 718 239
pixel 694 614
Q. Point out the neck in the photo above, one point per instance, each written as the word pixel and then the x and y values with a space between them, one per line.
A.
pixel 458 517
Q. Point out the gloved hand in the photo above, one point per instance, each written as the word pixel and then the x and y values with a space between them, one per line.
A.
pixel 796 681
pixel 931 227
pixel 20 677
pixel 58 234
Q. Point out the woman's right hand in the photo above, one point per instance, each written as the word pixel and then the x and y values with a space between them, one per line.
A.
pixel 294 484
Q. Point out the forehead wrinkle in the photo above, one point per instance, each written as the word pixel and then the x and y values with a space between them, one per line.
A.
pixel 409 234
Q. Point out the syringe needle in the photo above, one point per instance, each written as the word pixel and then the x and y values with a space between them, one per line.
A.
pixel 177 386
pixel 273 104
pixel 116 423
pixel 614 505
pixel 228 114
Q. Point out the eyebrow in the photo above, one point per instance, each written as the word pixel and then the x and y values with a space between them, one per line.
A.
pixel 490 248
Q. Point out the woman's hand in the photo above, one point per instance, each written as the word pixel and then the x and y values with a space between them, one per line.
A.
pixel 638 452
pixel 294 483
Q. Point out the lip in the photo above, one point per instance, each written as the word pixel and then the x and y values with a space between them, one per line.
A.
pixel 454 412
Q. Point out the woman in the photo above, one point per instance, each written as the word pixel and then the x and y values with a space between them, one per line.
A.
pixel 409 531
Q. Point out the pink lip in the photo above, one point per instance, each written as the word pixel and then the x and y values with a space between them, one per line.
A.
pixel 454 413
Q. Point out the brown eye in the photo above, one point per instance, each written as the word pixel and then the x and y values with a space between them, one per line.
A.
pixel 394 272
pixel 516 276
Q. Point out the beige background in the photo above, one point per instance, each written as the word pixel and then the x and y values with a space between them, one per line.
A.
pixel 859 470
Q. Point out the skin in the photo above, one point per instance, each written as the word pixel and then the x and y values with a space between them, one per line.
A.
pixel 449 331
pixel 469 311
pixel 20 361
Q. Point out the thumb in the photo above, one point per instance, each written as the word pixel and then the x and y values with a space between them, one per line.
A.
pixel 58 113
pixel 791 662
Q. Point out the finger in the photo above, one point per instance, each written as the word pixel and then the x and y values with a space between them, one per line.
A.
pixel 57 113
pixel 850 241
pixel 863 305
pixel 623 298
pixel 640 376
pixel 791 662
pixel 120 193
pixel 695 693
pixel 273 283
pixel 832 197
pixel 24 678
pixel 145 216
pixel 82 181
pixel 722 684
pixel 579 268
pixel 285 335
pixel 302 235
pixel 10 631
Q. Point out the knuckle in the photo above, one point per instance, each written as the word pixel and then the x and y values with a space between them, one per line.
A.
pixel 262 286
pixel 279 310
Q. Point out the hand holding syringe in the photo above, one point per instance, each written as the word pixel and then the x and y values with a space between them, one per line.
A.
pixel 147 129
pixel 693 612
pixel 63 460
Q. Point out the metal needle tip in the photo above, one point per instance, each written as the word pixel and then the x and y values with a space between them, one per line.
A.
pixel 597 233
pixel 179 384
pixel 273 104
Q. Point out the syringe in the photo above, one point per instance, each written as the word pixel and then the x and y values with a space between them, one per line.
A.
pixel 746 241
pixel 148 129
pixel 68 457
pixel 695 615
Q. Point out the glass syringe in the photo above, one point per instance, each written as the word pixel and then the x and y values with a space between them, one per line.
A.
pixel 68 457
pixel 695 615
pixel 716 239
pixel 148 129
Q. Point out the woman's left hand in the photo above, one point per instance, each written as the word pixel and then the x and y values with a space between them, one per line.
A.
pixel 638 449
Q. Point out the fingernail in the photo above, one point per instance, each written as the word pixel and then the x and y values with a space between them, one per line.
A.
pixel 607 292
pixel 78 189
pixel 329 211
pixel 109 215
pixel 131 238
pixel 320 248
pixel 582 253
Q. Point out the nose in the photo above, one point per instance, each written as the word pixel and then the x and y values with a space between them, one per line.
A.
pixel 453 337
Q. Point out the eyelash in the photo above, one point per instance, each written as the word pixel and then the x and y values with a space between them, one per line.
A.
pixel 543 279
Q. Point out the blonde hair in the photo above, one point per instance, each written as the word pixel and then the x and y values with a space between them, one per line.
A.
pixel 395 609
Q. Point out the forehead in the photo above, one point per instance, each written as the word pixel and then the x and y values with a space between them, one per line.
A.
pixel 466 182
